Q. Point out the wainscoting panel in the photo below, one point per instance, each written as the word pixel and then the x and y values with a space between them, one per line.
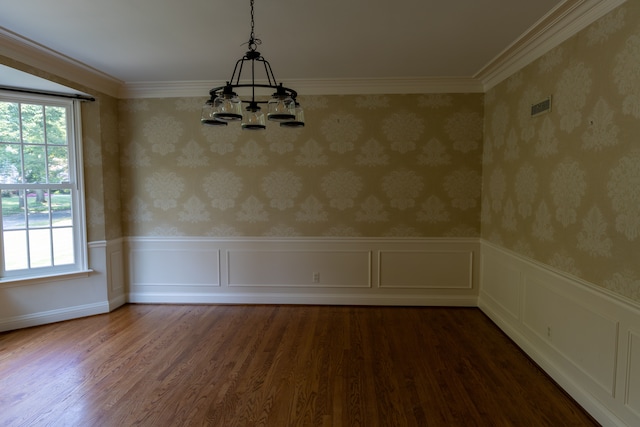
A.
pixel 303 271
pixel 501 286
pixel 116 290
pixel 572 329
pixel 269 268
pixel 583 336
pixel 426 269
pixel 632 389
pixel 189 267
pixel 116 281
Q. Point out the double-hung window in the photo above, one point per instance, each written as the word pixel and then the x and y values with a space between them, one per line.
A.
pixel 42 209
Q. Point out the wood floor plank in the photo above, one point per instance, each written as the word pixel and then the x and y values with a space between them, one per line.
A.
pixel 191 365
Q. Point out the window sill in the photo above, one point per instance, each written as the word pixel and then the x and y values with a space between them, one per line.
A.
pixel 9 282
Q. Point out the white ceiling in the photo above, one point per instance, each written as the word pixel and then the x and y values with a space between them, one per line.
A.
pixel 138 41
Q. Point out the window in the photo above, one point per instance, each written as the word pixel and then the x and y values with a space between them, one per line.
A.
pixel 42 209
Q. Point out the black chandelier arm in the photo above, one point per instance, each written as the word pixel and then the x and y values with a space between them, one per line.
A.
pixel 252 56
pixel 268 71
pixel 240 63
pixel 287 91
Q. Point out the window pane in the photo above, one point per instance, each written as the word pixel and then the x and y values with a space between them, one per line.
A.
pixel 9 122
pixel 56 125
pixel 32 124
pixel 40 248
pixel 58 164
pixel 61 208
pixel 10 164
pixel 13 210
pixel 38 208
pixel 63 246
pixel 35 164
pixel 15 250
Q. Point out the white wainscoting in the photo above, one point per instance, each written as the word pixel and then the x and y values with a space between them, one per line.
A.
pixel 303 271
pixel 585 337
pixel 115 274
pixel 33 302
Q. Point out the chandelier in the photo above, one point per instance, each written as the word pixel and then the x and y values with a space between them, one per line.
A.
pixel 225 105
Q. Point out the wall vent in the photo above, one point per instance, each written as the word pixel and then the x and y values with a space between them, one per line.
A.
pixel 541 107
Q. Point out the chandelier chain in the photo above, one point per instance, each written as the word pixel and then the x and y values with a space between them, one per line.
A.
pixel 253 41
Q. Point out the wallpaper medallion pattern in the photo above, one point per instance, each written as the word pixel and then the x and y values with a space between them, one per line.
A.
pixel 564 187
pixel 370 166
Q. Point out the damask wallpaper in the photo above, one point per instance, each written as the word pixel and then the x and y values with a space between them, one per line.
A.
pixel 101 155
pixel 564 187
pixel 364 166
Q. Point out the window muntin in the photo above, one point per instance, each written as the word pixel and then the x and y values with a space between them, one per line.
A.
pixel 41 209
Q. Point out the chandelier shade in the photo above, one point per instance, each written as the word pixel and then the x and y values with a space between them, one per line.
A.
pixel 207 118
pixel 281 106
pixel 253 119
pixel 298 121
pixel 225 105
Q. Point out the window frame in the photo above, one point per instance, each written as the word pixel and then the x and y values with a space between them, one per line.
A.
pixel 75 185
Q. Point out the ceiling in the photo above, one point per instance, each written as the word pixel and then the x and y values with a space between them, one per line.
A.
pixel 136 41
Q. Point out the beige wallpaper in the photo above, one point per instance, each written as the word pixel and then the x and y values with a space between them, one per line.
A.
pixel 102 168
pixel 370 166
pixel 564 187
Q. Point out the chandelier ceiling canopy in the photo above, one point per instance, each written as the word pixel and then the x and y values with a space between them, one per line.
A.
pixel 225 105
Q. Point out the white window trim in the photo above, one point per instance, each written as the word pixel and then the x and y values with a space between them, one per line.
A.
pixel 81 265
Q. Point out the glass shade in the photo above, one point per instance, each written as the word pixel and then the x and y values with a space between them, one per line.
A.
pixel 228 107
pixel 253 118
pixel 281 108
pixel 207 117
pixel 298 121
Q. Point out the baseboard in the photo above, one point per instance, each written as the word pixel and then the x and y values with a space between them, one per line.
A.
pixel 117 301
pixel 52 316
pixel 303 299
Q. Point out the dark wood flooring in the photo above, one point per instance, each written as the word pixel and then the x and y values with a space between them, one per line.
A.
pixel 172 365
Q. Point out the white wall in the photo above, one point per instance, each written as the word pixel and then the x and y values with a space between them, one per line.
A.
pixel 587 339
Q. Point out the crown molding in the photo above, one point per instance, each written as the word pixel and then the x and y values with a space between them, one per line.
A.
pixel 387 86
pixel 167 89
pixel 41 57
pixel 313 87
pixel 564 21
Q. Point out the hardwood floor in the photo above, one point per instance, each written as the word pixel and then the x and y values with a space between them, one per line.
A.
pixel 166 365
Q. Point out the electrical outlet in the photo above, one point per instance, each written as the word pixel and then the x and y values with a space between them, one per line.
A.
pixel 316 277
